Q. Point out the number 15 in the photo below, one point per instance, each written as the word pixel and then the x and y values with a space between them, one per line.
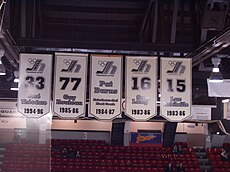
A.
pixel 180 85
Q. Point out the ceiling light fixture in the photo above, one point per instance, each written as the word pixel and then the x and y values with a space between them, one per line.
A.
pixel 14 86
pixel 225 101
pixel 16 75
pixel 216 76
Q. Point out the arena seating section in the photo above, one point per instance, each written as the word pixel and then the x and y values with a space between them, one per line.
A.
pixel 218 165
pixel 26 158
pixel 96 156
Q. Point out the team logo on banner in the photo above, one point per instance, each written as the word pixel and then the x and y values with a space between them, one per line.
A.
pixel 108 68
pixel 105 92
pixel 34 85
pixel 141 87
pixel 70 85
pixel 175 88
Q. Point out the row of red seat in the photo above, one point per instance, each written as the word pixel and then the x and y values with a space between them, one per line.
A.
pixel 134 158
pixel 24 167
pixel 123 156
pixel 215 159
pixel 29 146
pixel 107 162
pixel 29 153
pixel 214 150
pixel 108 158
pixel 27 158
pixel 216 163
pixel 120 150
pixel 77 142
pixel 58 168
pixel 221 169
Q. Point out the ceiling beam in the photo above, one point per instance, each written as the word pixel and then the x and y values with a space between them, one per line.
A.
pixel 96 4
pixel 6 40
pixel 211 48
pixel 91 15
pixel 155 21
pixel 146 16
pixel 174 22
pixel 130 46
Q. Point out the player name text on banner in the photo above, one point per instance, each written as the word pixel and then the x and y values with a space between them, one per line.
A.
pixel 176 81
pixel 34 84
pixel 70 84
pixel 105 87
pixel 141 87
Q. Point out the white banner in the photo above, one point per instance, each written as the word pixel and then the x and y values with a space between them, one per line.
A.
pixel 201 112
pixel 105 91
pixel 141 87
pixel 176 82
pixel 70 85
pixel 226 109
pixel 227 116
pixel 34 84
pixel 219 89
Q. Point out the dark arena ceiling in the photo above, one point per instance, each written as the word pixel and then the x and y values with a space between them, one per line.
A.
pixel 198 29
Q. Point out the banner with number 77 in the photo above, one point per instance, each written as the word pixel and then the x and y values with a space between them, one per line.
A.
pixel 70 85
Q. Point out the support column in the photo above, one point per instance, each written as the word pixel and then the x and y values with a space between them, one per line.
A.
pixel 127 133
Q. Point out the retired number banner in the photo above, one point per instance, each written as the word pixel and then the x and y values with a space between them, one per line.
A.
pixel 176 81
pixel 70 84
pixel 34 84
pixel 105 92
pixel 141 87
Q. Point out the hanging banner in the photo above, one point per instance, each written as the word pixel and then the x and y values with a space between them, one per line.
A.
pixel 219 89
pixel 201 112
pixel 70 85
pixel 34 84
pixel 176 82
pixel 141 87
pixel 146 139
pixel 105 91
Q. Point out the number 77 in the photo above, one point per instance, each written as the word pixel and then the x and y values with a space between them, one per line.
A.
pixel 66 81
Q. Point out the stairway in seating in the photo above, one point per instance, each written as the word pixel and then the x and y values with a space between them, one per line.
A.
pixel 2 150
pixel 203 159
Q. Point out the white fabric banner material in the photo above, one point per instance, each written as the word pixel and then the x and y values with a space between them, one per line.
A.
pixel 176 81
pixel 141 87
pixel 201 112
pixel 105 91
pixel 70 85
pixel 227 116
pixel 34 84
pixel 219 89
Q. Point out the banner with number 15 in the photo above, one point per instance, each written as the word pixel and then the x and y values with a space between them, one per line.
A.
pixel 176 82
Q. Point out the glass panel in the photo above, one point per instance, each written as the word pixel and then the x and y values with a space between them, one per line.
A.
pixel 25 144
